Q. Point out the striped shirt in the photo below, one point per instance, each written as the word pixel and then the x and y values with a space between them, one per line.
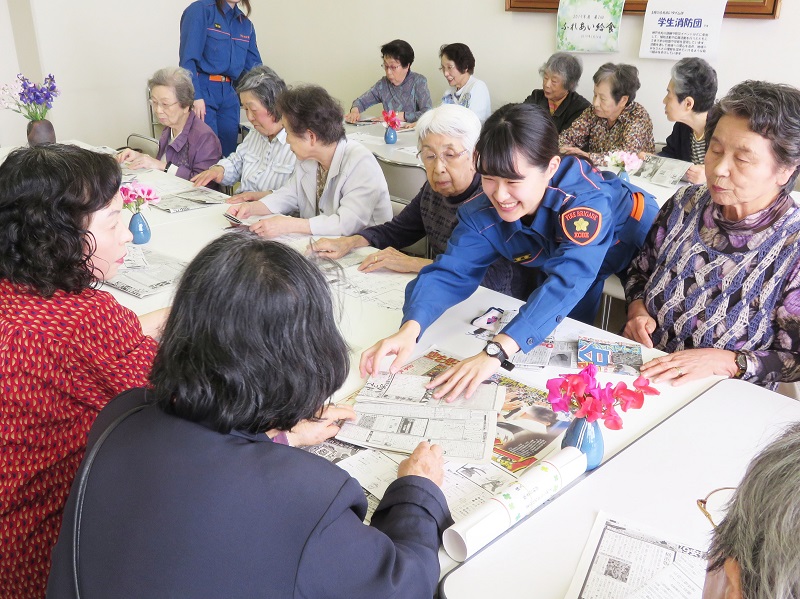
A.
pixel 260 164
pixel 698 150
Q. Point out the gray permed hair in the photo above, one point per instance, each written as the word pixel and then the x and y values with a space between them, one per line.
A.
pixel 567 66
pixel 266 85
pixel 178 79
pixel 761 530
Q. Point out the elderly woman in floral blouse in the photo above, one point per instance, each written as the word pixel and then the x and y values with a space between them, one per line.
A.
pixel 717 284
pixel 614 121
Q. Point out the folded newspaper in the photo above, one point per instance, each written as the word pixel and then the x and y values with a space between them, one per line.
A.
pixel 663 171
pixel 160 272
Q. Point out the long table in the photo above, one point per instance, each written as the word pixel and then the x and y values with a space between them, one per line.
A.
pixel 655 483
pixel 182 235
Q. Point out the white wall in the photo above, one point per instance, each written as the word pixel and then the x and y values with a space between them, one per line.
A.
pixel 12 125
pixel 103 51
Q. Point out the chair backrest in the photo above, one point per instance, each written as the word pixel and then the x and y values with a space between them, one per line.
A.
pixel 143 144
pixel 404 180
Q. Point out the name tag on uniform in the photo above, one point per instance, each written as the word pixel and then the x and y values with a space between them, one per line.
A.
pixel 581 225
pixel 522 258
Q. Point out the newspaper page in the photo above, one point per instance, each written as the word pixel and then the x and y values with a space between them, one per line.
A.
pixel 610 356
pixel 621 561
pixel 411 389
pixel 385 289
pixel 161 272
pixel 464 435
pixel 666 172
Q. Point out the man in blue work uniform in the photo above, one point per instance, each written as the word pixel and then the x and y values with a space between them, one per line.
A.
pixel 218 44
pixel 559 216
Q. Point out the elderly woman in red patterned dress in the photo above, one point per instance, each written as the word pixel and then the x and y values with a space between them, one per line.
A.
pixel 66 348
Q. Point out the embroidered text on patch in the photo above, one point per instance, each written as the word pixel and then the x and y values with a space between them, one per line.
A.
pixel 581 225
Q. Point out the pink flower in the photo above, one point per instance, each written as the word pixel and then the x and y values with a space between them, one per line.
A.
pixel 391 119
pixel 134 195
pixel 557 396
pixel 643 385
pixel 612 419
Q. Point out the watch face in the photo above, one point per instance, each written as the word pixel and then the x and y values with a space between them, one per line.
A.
pixel 741 361
pixel 492 349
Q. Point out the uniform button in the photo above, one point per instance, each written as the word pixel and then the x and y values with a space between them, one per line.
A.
pixel 530 340
pixel 559 318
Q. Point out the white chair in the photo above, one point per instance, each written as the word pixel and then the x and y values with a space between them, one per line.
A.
pixel 143 144
pixel 612 289
pixel 404 182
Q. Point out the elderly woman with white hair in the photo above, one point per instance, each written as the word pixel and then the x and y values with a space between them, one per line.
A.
pixel 447 137
pixel 560 76
pixel 187 146
pixel 755 549
pixel 264 160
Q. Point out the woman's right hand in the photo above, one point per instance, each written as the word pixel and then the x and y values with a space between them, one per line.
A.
pixel 336 247
pixel 247 196
pixel 640 324
pixel 401 344
pixel 215 173
pixel 426 461
pixel 127 155
pixel 248 209
pixel 353 115
pixel 199 108
pixel 696 174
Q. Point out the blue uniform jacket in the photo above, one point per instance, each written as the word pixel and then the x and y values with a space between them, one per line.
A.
pixel 586 228
pixel 216 44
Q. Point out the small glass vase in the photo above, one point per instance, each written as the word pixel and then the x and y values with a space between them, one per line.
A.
pixel 390 137
pixel 588 438
pixel 139 227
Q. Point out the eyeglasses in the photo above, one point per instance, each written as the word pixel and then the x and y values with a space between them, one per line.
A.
pixel 161 105
pixel 391 67
pixel 429 158
pixel 715 504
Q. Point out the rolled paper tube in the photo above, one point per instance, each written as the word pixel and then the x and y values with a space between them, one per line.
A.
pixel 513 502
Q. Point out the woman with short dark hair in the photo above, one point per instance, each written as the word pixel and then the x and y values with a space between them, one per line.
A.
pixel 614 121
pixel 557 216
pixel 716 284
pixel 66 348
pixel 400 90
pixel 264 161
pixel 560 76
pixel 236 512
pixel 690 95
pixel 338 188
pixel 187 145
pixel 458 66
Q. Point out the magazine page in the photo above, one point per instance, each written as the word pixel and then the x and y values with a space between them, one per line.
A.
pixel 667 172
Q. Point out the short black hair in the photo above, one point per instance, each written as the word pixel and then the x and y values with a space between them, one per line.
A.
pixel 311 108
pixel 695 78
pixel 48 194
pixel 461 56
pixel 251 342
pixel 523 128
pixel 400 50
pixel 623 79
pixel 246 3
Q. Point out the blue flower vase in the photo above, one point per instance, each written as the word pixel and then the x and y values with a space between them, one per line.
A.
pixel 139 227
pixel 390 137
pixel 623 174
pixel 588 438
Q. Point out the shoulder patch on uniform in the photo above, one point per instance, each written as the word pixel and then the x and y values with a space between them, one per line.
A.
pixel 581 225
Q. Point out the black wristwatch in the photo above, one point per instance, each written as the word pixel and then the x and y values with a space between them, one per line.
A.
pixel 741 365
pixel 495 350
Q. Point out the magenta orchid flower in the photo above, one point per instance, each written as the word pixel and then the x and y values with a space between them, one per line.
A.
pixel 135 195
pixel 582 394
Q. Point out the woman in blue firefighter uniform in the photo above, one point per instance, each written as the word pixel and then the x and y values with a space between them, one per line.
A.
pixel 557 215
pixel 218 44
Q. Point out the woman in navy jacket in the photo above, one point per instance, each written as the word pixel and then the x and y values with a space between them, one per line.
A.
pixel 557 215
pixel 193 490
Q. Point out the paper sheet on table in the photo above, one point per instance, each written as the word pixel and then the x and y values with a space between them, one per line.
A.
pixel 409 389
pixel 161 272
pixel 366 138
pixel 622 560
pixel 464 435
pixel 667 172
